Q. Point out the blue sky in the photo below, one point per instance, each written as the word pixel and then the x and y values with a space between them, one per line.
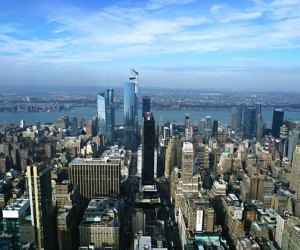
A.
pixel 233 44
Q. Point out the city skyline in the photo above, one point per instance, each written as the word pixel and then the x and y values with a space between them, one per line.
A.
pixel 196 44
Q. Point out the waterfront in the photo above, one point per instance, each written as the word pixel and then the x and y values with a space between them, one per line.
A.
pixel 223 116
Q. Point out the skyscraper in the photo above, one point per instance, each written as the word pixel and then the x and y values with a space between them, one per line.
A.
pixel 131 111
pixel 234 115
pixel 39 187
pixel 259 126
pixel 215 128
pixel 258 109
pixel 295 177
pixel 293 141
pixel 249 122
pixel 110 116
pixel 239 117
pixel 148 149
pixel 95 177
pixel 187 165
pixel 277 122
pixel 146 105
pixel 101 113
pixel 106 115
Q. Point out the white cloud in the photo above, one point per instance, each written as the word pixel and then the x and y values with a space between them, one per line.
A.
pixel 157 4
pixel 117 32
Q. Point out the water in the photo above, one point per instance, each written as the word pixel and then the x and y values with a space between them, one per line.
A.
pixel 223 116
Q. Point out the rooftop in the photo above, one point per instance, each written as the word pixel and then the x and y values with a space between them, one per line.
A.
pixel 94 161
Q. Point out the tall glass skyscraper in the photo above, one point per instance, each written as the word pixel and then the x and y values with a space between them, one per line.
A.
pixel 277 122
pixel 106 115
pixel 130 115
pixel 101 113
pixel 110 116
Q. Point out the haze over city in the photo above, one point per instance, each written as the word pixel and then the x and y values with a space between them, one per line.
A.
pixel 188 43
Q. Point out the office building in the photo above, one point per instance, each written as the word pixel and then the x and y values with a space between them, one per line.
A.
pixel 239 117
pixel 74 126
pixel 291 234
pixel 278 115
pixel 101 113
pixel 249 123
pixel 215 127
pixel 38 179
pixel 100 225
pixel 259 127
pixel 173 155
pixel 106 115
pixel 293 141
pixel 259 109
pixel 234 115
pixel 146 105
pixel 95 176
pixel 148 149
pixel 13 214
pixel 130 115
pixel 295 178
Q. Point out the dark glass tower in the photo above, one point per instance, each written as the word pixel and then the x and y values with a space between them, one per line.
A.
pixel 110 116
pixel 130 115
pixel 148 149
pixel 250 121
pixel 146 105
pixel 215 128
pixel 277 122
pixel 239 117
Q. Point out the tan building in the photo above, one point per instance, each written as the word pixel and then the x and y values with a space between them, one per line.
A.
pixel 188 183
pixel 173 155
pixel 295 178
pixel 195 214
pixel 291 234
pixel 38 179
pixel 95 177
pixel 66 228
pixel 233 215
pixel 100 225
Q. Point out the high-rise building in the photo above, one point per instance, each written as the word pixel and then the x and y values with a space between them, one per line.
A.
pixel 173 155
pixel 74 126
pixel 148 149
pixel 100 225
pixel 284 133
pixel 249 123
pixel 38 179
pixel 259 126
pixel 239 117
pixel 95 176
pixel 187 120
pixel 234 115
pixel 146 105
pixel 101 108
pixel 130 113
pixel 215 127
pixel 106 115
pixel 295 177
pixel 13 214
pixel 187 165
pixel 293 141
pixel 259 109
pixel 110 116
pixel 208 122
pixel 278 115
